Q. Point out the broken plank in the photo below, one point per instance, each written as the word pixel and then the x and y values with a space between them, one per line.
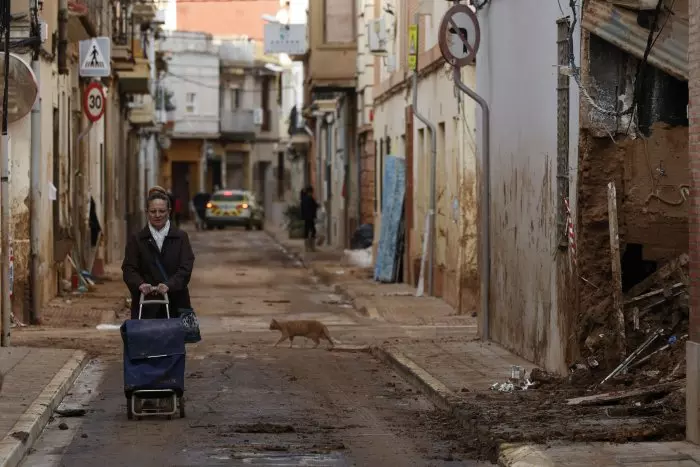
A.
pixel 608 397
pixel 663 273
pixel 616 267
pixel 653 293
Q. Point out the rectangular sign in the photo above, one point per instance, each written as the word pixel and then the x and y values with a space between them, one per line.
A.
pixel 412 46
pixel 287 39
pixel 95 57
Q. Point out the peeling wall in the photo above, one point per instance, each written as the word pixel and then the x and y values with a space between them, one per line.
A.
pixel 530 305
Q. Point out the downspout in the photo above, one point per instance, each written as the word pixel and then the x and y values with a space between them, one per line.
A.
pixel 358 170
pixel 62 36
pixel 35 177
pixel 329 181
pixel 433 162
pixel 319 179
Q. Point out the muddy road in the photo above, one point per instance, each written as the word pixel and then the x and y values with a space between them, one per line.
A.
pixel 247 402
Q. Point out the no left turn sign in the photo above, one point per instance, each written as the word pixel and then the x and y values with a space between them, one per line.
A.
pixel 459 35
pixel 94 102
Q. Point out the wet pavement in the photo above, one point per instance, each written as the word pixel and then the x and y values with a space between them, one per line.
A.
pixel 248 403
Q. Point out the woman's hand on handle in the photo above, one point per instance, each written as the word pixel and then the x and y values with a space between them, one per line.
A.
pixel 162 289
pixel 145 288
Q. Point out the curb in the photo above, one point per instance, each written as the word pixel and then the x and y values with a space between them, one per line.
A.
pixel 34 419
pixel 509 455
pixel 287 251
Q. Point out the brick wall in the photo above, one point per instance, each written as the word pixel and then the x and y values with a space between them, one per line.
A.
pixel 694 162
pixel 367 178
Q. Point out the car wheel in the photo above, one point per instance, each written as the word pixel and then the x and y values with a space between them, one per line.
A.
pixel 210 227
pixel 220 227
pixel 249 225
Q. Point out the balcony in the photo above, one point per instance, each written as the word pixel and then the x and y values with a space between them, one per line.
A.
pixel 144 11
pixel 332 55
pixel 136 81
pixel 143 114
pixel 237 125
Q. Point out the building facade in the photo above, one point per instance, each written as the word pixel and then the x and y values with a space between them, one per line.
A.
pixel 193 79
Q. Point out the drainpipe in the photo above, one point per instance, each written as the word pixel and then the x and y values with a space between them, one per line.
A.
pixel 485 200
pixel 5 195
pixel 329 181
pixel 319 178
pixel 358 169
pixel 35 177
pixel 62 36
pixel 433 162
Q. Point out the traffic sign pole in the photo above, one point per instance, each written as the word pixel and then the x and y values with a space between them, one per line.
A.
pixel 459 39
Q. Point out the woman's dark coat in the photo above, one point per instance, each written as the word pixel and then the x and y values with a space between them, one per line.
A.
pixel 139 267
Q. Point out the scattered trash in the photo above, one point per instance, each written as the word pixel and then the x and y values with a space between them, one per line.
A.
pixel 359 258
pixel 108 327
pixel 626 363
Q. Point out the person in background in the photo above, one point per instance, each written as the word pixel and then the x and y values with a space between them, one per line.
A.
pixel 309 207
pixel 199 203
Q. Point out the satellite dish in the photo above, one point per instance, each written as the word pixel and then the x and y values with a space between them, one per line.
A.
pixel 23 87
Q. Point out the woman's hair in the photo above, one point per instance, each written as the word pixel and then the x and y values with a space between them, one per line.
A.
pixel 154 194
pixel 157 189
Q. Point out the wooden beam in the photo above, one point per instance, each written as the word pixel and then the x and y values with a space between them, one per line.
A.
pixel 608 397
pixel 616 267
pixel 661 274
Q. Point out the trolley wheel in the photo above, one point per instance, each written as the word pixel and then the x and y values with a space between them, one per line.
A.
pixel 181 403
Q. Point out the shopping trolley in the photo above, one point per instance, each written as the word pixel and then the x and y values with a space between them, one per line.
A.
pixel 154 364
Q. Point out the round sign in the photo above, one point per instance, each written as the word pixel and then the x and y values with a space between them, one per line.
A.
pixel 459 35
pixel 94 101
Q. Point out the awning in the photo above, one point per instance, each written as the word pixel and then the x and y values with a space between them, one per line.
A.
pixel 619 27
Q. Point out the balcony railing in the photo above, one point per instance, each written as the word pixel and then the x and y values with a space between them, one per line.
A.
pixel 238 123
pixel 122 25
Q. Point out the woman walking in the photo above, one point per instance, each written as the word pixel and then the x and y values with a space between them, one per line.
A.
pixel 158 260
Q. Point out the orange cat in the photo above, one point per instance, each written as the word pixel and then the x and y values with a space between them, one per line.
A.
pixel 311 329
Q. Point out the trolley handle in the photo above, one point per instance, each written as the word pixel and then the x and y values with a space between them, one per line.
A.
pixel 165 301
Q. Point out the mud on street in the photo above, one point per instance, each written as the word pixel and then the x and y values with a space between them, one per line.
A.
pixel 247 402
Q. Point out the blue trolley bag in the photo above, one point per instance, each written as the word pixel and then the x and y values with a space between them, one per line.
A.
pixel 154 355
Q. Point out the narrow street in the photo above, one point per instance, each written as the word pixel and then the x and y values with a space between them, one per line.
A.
pixel 247 402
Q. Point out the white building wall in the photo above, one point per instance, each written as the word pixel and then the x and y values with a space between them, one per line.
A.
pixel 193 68
pixel 517 75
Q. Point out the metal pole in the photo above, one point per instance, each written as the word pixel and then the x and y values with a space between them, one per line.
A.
pixel 35 176
pixel 485 201
pixel 329 160
pixel 319 179
pixel 5 188
pixel 433 162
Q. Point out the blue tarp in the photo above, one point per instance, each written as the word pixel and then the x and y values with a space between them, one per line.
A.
pixel 154 354
pixel 393 192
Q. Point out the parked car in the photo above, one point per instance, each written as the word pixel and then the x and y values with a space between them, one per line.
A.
pixel 234 208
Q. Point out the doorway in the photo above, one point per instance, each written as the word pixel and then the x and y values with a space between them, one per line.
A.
pixel 181 186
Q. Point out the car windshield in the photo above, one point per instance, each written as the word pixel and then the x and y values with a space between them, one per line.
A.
pixel 228 196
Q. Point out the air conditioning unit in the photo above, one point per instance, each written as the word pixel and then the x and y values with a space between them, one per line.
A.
pixel 377 37
pixel 258 116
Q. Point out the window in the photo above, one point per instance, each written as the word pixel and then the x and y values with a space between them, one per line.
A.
pixel 191 103
pixel 235 99
pixel 266 103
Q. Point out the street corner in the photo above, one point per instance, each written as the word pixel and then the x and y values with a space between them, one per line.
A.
pixel 519 455
pixel 20 438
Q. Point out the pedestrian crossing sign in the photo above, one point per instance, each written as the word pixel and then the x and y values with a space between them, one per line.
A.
pixel 95 57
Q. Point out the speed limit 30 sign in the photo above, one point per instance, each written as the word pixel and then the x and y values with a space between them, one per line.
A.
pixel 94 101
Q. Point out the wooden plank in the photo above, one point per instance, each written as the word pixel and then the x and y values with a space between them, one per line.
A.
pixel 653 293
pixel 608 397
pixel 661 274
pixel 616 268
